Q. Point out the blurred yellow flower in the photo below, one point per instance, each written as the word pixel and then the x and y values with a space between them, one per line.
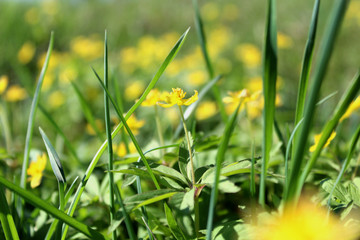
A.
pixel 133 90
pixel 230 12
pixel 219 39
pixel 120 149
pixel 15 93
pixel 210 11
pixel 234 98
pixel 88 48
pixel 249 54
pixel 56 99
pixel 177 97
pixel 317 139
pixel 4 81
pixel 133 123
pixel 307 222
pixel 32 16
pixel 90 130
pixel 152 98
pixel 284 41
pixel 26 53
pixel 68 74
pixel 35 170
pixel 355 105
pixel 205 110
pixel 197 78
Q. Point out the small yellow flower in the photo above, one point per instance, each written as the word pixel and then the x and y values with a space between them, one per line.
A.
pixel 205 110
pixel 26 53
pixel 90 130
pixel 307 222
pixel 177 97
pixel 56 99
pixel 120 149
pixel 355 105
pixel 152 98
pixel 249 54
pixel 284 41
pixel 15 93
pixel 134 90
pixel 197 78
pixel 133 123
pixel 88 48
pixel 4 81
pixel 243 96
pixel 35 170
pixel 317 139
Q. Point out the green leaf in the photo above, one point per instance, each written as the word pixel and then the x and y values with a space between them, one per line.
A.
pixel 354 193
pixel 154 199
pixel 54 158
pixel 7 221
pixel 139 198
pixel 176 231
pixel 339 192
pixel 269 90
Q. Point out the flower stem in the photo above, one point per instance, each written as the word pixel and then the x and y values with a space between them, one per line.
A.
pixel 189 146
pixel 159 130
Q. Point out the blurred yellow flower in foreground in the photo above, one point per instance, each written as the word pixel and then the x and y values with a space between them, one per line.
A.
pixel 15 93
pixel 284 41
pixel 152 98
pixel 4 81
pixel 177 97
pixel 26 53
pixel 355 105
pixel 249 54
pixel 307 222
pixel 205 110
pixel 317 139
pixel 35 170
pixel 134 90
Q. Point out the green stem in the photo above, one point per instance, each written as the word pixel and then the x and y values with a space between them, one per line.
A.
pixel 189 147
pixel 159 131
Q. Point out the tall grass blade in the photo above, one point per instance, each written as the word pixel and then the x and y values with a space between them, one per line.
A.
pixel 327 46
pixel 229 128
pixel 6 219
pixel 269 90
pixel 109 139
pixel 330 126
pixel 30 126
pixel 202 40
pixel 48 208
pixel 102 148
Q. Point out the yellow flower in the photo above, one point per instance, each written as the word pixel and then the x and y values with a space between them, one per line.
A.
pixel 205 110
pixel 230 12
pixel 120 149
pixel 26 53
pixel 32 16
pixel 90 130
pixel 133 123
pixel 4 81
pixel 87 48
pixel 210 11
pixel 234 98
pixel 177 97
pixel 15 93
pixel 56 99
pixel 307 222
pixel 152 98
pixel 35 170
pixel 355 105
pixel 249 54
pixel 197 78
pixel 284 41
pixel 134 90
pixel 317 139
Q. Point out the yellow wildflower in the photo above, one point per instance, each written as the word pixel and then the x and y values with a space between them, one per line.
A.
pixel 90 130
pixel 249 54
pixel 4 81
pixel 210 11
pixel 234 98
pixel 230 12
pixel 205 110
pixel 317 139
pixel 133 123
pixel 87 48
pixel 197 78
pixel 32 16
pixel 15 93
pixel 35 170
pixel 152 98
pixel 26 53
pixel 307 222
pixel 56 99
pixel 177 97
pixel 355 105
pixel 120 149
pixel 284 41
pixel 134 90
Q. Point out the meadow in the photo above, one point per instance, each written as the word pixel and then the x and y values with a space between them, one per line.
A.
pixel 180 119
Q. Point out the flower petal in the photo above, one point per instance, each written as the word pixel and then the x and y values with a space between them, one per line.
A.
pixel 192 99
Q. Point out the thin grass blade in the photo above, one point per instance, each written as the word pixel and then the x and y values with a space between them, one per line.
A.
pixel 269 90
pixel 6 219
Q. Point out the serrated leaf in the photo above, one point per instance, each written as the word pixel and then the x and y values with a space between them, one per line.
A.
pixel 340 191
pixel 54 158
pixel 188 202
pixel 354 193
